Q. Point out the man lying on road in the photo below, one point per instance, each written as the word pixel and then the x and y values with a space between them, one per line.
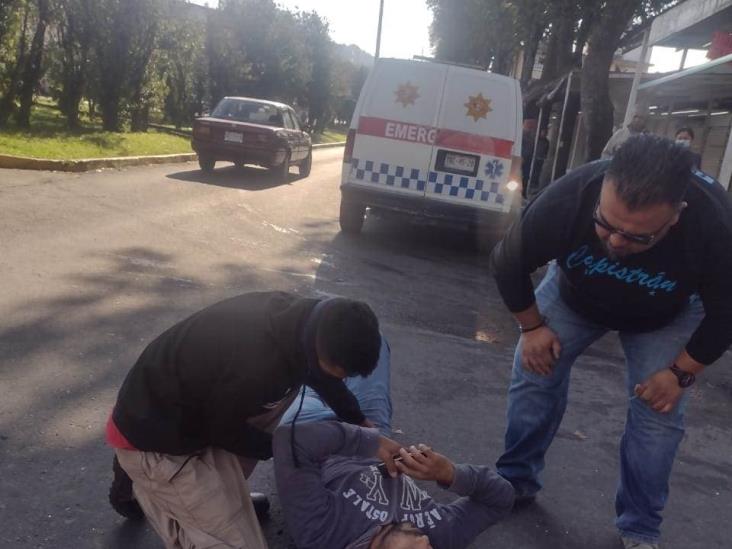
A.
pixel 334 495
pixel 197 410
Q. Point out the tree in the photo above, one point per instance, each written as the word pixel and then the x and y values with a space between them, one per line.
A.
pixel 319 92
pixel 123 43
pixel 74 34
pixel 13 50
pixel 33 63
pixel 182 68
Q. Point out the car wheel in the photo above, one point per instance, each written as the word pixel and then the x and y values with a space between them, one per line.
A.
pixel 207 164
pixel 351 216
pixel 282 172
pixel 306 165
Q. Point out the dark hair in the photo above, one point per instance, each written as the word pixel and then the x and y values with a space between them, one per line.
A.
pixel 348 336
pixel 395 533
pixel 685 129
pixel 649 170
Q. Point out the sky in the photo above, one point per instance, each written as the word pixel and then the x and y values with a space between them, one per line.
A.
pixel 405 29
pixel 406 25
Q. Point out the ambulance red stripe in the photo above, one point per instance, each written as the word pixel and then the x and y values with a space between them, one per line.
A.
pixel 427 135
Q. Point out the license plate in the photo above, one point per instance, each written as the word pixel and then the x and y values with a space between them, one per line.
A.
pixel 460 162
pixel 233 137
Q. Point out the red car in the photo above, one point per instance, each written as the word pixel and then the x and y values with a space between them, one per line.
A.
pixel 243 130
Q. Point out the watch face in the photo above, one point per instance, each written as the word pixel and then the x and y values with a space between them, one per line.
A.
pixel 686 379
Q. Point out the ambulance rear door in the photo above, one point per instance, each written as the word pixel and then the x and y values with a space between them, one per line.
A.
pixel 396 127
pixel 479 132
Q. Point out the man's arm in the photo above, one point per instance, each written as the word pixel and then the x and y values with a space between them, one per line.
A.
pixel 487 497
pixel 712 337
pixel 336 395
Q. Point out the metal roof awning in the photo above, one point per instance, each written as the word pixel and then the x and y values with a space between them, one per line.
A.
pixel 690 24
pixel 707 82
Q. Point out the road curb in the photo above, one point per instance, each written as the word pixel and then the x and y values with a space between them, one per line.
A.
pixel 88 164
pixel 328 145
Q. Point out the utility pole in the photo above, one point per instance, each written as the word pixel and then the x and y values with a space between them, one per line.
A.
pixel 378 32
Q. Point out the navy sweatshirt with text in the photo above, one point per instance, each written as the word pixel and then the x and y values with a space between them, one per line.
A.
pixel 638 293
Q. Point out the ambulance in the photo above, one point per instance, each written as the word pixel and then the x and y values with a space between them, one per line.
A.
pixel 435 140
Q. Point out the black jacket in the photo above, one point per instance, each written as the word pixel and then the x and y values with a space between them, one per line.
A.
pixel 197 383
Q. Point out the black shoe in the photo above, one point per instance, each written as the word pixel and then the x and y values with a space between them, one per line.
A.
pixel 120 494
pixel 261 505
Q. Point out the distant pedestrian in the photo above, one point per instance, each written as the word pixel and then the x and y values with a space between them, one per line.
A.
pixel 198 408
pixel 637 125
pixel 643 246
pixel 685 138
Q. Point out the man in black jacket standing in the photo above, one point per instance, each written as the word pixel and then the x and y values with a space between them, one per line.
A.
pixel 642 245
pixel 197 410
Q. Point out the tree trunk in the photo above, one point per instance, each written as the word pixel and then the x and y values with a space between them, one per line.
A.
pixel 559 49
pixel 530 48
pixel 8 101
pixel 597 109
pixel 33 66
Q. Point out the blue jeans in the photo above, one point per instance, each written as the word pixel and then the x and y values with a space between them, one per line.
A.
pixel 373 394
pixel 536 405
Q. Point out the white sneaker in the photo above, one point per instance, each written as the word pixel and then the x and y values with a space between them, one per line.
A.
pixel 629 543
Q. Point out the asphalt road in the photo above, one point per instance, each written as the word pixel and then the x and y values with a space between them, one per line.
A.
pixel 95 265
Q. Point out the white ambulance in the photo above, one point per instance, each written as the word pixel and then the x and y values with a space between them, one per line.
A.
pixel 434 140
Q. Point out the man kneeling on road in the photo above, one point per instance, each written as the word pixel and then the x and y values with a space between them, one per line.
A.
pixel 197 410
pixel 335 495
pixel 643 246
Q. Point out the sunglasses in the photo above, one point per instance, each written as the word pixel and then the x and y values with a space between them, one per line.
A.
pixel 642 239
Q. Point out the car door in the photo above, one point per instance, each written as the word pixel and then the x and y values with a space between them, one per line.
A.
pixel 302 138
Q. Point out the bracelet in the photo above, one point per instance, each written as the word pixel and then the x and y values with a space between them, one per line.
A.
pixel 540 325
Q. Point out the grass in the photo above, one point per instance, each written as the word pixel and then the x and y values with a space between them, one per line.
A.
pixel 330 136
pixel 49 138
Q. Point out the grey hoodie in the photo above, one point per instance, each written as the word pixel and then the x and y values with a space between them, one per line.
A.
pixel 337 497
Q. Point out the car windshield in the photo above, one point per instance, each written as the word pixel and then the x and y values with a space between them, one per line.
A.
pixel 248 111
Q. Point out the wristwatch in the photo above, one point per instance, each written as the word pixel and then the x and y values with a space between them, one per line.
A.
pixel 685 378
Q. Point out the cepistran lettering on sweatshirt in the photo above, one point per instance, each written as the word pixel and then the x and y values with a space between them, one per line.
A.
pixel 636 293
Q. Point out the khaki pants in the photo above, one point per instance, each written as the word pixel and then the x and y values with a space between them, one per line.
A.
pixel 200 501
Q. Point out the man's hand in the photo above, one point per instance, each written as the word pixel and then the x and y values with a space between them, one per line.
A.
pixel 367 423
pixel 661 391
pixel 387 451
pixel 423 463
pixel 540 349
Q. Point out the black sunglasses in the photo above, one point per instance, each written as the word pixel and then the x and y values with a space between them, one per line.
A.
pixel 643 239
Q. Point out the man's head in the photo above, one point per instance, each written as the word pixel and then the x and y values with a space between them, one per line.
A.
pixel 684 137
pixel 400 535
pixel 642 194
pixel 638 123
pixel 348 339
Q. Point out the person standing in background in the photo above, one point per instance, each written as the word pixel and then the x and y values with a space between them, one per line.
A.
pixel 636 126
pixel 685 137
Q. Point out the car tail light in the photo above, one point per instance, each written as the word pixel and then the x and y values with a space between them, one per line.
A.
pixel 350 140
pixel 200 129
